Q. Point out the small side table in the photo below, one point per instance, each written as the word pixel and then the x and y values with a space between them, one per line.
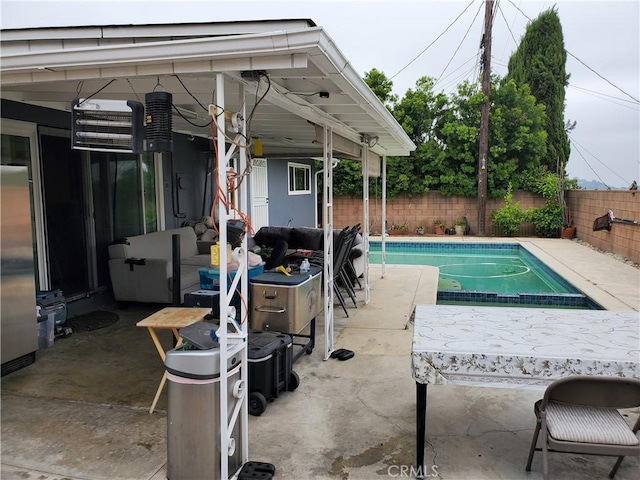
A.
pixel 173 318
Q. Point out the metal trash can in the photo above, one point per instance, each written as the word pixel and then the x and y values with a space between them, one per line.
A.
pixel 193 412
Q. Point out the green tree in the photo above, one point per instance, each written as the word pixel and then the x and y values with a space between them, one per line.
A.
pixel 457 161
pixel 445 131
pixel 539 61
pixel 381 86
pixel 421 113
pixel 517 137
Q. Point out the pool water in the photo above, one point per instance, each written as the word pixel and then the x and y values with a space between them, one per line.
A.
pixel 487 274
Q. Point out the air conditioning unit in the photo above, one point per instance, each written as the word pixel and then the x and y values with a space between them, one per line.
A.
pixel 107 125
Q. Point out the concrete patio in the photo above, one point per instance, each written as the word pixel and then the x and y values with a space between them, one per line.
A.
pixel 82 410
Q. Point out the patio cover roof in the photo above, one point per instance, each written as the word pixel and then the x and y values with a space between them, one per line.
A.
pixel 52 66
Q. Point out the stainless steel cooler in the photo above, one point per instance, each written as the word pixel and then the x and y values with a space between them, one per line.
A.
pixel 285 304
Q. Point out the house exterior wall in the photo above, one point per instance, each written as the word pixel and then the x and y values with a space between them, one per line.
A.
pixel 285 209
pixel 188 162
pixel 32 113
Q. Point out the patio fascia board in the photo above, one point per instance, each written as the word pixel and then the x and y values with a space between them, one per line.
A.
pixel 173 30
pixel 292 49
pixel 367 99
pixel 162 52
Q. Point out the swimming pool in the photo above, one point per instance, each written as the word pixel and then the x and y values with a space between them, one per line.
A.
pixel 487 273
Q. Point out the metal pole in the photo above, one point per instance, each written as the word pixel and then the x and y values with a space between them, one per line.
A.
pixel 243 203
pixel 327 215
pixel 384 213
pixel 365 227
pixel 175 269
pixel 484 117
pixel 223 217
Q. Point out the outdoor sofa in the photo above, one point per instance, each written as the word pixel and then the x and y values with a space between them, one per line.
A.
pixel 141 266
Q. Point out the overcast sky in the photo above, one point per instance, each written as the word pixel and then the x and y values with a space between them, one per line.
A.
pixel 389 35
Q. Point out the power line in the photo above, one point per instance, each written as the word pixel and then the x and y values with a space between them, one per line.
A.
pixel 588 164
pixel 572 55
pixel 610 83
pixel 454 82
pixel 460 44
pixel 575 142
pixel 508 27
pixel 601 96
pixel 472 59
pixel 437 38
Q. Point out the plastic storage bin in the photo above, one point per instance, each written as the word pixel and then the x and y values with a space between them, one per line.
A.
pixel 210 277
pixel 204 299
pixel 46 329
pixel 53 302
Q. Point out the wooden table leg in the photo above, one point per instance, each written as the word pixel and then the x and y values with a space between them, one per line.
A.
pixel 158 392
pixel 156 342
pixel 421 426
pixel 163 356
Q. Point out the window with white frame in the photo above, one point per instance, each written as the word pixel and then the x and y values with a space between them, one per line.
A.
pixel 299 179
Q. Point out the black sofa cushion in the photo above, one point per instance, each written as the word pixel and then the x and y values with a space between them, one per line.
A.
pixel 270 236
pixel 307 238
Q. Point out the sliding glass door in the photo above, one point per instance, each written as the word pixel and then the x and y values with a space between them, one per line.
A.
pixel 82 201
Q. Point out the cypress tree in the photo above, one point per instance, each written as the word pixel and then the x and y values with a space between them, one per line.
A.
pixel 539 61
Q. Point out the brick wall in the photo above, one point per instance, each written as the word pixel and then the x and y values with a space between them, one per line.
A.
pixel 425 209
pixel 585 206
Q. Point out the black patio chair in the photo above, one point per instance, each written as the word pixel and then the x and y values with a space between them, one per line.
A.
pixel 340 254
pixel 346 267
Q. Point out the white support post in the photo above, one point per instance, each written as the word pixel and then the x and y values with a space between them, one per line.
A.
pixel 239 338
pixel 223 216
pixel 384 215
pixel 231 340
pixel 327 216
pixel 243 206
pixel 365 226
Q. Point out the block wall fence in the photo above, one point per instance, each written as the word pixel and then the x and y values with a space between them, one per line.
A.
pixel 585 206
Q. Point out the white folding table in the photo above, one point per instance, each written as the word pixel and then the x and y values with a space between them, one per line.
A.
pixel 517 348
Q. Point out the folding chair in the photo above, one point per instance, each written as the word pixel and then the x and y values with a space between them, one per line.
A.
pixel 579 414
pixel 339 252
pixel 349 239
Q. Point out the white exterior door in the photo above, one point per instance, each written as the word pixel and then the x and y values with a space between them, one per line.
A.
pixel 259 194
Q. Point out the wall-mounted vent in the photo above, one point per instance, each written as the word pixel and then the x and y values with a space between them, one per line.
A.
pixel 107 125
pixel 158 122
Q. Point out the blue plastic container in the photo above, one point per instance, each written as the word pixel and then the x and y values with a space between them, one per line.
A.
pixel 210 277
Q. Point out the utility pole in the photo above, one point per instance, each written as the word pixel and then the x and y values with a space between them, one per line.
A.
pixel 484 116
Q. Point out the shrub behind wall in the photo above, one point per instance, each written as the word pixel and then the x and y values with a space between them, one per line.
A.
pixel 425 209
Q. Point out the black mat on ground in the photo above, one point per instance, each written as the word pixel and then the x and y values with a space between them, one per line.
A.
pixel 91 321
